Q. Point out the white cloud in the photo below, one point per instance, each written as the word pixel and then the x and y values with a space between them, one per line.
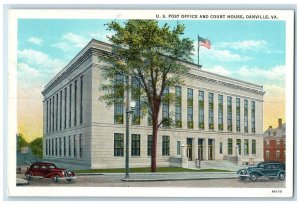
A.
pixel 35 40
pixel 25 69
pixel 245 45
pixel 222 55
pixel 219 70
pixel 71 40
pixel 102 36
pixel 275 75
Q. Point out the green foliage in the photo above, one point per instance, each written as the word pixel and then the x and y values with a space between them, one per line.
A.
pixel 21 142
pixel 143 49
pixel 37 147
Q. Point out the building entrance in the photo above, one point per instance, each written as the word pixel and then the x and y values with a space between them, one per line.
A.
pixel 189 149
pixel 200 148
pixel 210 149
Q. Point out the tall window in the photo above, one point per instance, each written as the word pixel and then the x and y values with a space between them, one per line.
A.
pixel 53 111
pixel 55 146
pixel 75 103
pixel 267 154
pixel 238 115
pixel 221 148
pixel 211 110
pixel 229 113
pixel 135 145
pixel 56 113
pixel 80 145
pixel 178 148
pixel 245 115
pixel 165 108
pixel 65 147
pixel 119 97
pixel 70 104
pixel 49 143
pixel 178 103
pixel 50 116
pixel 60 110
pixel 118 145
pixel 253 146
pixel 52 146
pixel 135 96
pixel 246 145
pixel 238 144
pixel 149 145
pixel 277 154
pixel 81 97
pixel 65 111
pixel 220 112
pixel 229 146
pixel 46 147
pixel 60 146
pixel 253 116
pixel 201 109
pixel 69 144
pixel 165 146
pixel 190 123
pixel 47 116
pixel 74 146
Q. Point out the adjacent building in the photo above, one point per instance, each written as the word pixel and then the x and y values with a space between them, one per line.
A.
pixel 274 143
pixel 216 118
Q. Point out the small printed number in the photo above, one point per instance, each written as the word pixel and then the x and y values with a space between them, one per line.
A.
pixel 277 191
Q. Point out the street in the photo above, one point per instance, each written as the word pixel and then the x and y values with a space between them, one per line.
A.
pixel 116 181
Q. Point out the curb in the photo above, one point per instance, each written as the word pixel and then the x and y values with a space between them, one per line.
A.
pixel 176 179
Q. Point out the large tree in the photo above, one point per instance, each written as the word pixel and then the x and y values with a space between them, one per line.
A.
pixel 153 54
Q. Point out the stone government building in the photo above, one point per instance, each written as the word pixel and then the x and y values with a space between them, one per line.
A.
pixel 217 118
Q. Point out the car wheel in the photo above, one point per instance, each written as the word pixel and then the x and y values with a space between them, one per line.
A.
pixel 55 178
pixel 69 180
pixel 242 178
pixel 28 176
pixel 281 176
pixel 253 177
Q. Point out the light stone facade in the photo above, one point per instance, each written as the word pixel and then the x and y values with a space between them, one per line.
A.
pixel 93 128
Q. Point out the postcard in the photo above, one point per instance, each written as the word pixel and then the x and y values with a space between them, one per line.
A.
pixel 150 103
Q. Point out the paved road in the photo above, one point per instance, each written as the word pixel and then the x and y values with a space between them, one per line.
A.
pixel 116 181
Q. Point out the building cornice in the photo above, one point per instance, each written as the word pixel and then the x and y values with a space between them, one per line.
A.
pixel 95 47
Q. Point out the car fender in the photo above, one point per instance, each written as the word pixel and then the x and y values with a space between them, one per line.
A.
pixel 241 171
pixel 53 173
pixel 280 172
pixel 258 173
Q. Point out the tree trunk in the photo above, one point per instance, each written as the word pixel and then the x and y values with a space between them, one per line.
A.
pixel 154 136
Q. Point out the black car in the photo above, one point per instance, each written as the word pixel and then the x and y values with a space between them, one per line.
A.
pixel 264 169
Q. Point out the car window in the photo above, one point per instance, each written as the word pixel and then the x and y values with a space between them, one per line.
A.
pixel 51 166
pixel 261 165
pixel 44 167
pixel 36 166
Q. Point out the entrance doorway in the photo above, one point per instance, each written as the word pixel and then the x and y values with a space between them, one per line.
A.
pixel 200 148
pixel 189 149
pixel 210 149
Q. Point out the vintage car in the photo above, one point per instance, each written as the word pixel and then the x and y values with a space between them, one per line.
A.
pixel 264 169
pixel 48 170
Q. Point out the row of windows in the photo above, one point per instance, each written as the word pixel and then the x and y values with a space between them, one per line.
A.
pixel 136 145
pixel 278 154
pixel 190 109
pixel 279 143
pixel 239 146
pixel 71 146
pixel 57 105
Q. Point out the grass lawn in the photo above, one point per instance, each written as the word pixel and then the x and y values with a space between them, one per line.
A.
pixel 147 169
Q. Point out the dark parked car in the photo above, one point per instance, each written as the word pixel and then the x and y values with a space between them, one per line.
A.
pixel 48 170
pixel 264 169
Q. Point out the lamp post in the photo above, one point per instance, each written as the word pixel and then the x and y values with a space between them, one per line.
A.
pixel 129 110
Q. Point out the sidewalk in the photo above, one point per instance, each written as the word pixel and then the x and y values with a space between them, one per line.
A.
pixel 168 176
